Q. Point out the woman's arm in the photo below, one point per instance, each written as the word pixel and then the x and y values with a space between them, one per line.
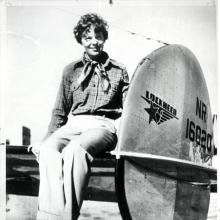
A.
pixel 62 106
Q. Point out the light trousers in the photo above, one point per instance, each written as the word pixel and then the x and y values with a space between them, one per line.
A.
pixel 64 164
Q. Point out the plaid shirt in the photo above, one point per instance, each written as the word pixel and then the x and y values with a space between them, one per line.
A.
pixel 89 98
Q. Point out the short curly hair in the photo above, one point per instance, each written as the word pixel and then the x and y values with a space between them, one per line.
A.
pixel 88 20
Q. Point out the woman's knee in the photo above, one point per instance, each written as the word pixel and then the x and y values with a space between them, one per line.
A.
pixel 54 143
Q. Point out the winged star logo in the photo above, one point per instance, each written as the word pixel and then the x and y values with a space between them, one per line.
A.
pixel 157 112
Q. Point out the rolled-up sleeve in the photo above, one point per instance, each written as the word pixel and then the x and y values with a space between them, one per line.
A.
pixel 125 84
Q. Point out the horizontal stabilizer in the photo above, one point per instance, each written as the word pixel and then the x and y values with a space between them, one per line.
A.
pixel 170 167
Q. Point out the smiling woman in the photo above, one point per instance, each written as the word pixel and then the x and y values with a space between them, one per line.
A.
pixel 93 89
pixel 93 43
pixel 91 32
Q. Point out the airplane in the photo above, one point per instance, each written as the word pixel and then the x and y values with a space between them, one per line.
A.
pixel 165 148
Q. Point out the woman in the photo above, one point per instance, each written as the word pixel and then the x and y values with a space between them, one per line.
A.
pixel 89 101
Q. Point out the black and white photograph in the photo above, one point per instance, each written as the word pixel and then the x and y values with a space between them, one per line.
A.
pixel 109 110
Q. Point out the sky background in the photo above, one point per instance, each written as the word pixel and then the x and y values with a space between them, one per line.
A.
pixel 41 43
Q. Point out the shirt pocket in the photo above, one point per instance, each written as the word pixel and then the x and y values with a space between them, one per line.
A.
pixel 112 93
pixel 78 93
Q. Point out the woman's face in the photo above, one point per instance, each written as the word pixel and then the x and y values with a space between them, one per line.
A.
pixel 93 43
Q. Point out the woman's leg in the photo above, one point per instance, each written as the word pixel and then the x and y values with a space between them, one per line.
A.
pixel 51 195
pixel 51 192
pixel 78 155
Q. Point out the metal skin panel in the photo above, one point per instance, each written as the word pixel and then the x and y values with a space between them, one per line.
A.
pixel 167 110
pixel 166 113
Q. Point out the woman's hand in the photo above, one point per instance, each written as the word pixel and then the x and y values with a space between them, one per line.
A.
pixel 35 149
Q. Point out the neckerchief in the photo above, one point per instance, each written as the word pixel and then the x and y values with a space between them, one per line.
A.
pixel 95 67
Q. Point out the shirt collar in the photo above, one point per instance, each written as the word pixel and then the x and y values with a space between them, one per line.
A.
pixel 104 59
